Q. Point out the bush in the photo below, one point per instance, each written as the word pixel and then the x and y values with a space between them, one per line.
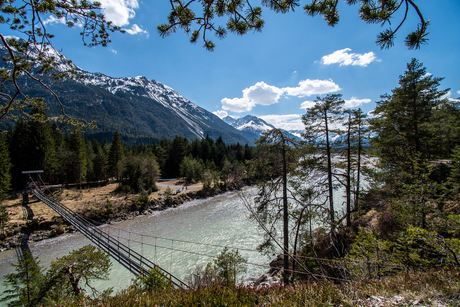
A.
pixel 228 265
pixel 369 256
pixel 141 201
pixel 155 280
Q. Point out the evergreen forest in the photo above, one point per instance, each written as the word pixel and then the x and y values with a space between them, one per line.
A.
pixel 67 157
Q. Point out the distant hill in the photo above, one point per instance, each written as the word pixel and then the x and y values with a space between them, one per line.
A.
pixel 252 127
pixel 141 110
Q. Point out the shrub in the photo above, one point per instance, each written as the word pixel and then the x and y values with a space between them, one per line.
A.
pixel 155 280
pixel 141 201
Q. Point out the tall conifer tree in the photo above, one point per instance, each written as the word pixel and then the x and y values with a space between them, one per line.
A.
pixel 77 146
pixel 115 155
pixel 5 167
pixel 402 120
pixel 318 127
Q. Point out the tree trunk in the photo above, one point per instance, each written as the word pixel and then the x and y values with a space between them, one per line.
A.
pixel 329 176
pixel 285 219
pixel 358 171
pixel 348 187
pixel 296 239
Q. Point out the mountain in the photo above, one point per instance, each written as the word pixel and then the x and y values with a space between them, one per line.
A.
pixel 141 110
pixel 252 127
pixel 297 133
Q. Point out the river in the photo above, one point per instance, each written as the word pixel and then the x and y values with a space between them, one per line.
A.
pixel 163 236
pixel 221 220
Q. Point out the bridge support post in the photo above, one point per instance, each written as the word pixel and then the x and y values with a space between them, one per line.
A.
pixel 25 195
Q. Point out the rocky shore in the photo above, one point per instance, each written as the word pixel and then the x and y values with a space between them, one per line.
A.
pixel 38 229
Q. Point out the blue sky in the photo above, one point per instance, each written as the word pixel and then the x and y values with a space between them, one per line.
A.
pixel 276 73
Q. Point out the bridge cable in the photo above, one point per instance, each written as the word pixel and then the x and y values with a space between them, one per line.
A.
pixel 90 231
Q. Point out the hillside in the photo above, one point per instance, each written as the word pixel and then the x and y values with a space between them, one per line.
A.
pixel 141 110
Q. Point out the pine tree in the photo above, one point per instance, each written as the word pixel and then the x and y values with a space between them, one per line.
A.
pixel 402 121
pixel 360 132
pixel 318 128
pixel 286 191
pixel 244 16
pixel 79 168
pixel 99 162
pixel 78 268
pixel 32 147
pixel 354 124
pixel 23 285
pixel 5 167
pixel 177 152
pixel 115 156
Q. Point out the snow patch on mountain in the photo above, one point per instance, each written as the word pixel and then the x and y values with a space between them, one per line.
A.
pixel 141 86
pixel 253 126
pixel 249 123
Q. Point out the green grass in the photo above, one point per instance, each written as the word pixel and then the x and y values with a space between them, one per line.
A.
pixel 425 287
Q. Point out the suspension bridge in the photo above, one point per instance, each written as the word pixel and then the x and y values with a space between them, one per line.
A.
pixel 132 260
pixel 127 257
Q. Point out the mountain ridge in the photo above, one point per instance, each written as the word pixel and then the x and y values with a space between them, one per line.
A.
pixel 252 127
pixel 142 110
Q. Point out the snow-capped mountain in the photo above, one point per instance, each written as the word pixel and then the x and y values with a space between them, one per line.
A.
pixel 141 110
pixel 249 123
pixel 297 133
pixel 198 120
pixel 252 127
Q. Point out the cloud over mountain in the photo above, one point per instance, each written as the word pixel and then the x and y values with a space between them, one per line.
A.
pixel 350 103
pixel 119 12
pixel 264 94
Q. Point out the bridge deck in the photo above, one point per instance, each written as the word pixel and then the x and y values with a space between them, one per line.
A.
pixel 130 259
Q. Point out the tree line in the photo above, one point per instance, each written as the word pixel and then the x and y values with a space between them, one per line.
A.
pixel 67 157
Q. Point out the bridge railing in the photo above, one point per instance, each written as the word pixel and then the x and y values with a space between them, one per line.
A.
pixel 130 259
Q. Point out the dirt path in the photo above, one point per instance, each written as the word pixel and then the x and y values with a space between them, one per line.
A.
pixel 81 201
pixel 175 185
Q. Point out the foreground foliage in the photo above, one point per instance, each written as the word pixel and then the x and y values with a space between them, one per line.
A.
pixel 65 280
pixel 426 287
pixel 197 18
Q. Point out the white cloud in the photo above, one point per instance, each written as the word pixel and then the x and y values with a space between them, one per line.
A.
pixel 351 103
pixel 448 96
pixel 264 94
pixel 220 113
pixel 113 50
pixel 286 122
pixel 354 102
pixel 119 11
pixel 307 104
pixel 260 93
pixel 312 87
pixel 344 58
pixel 53 20
pixel 237 105
pixel 135 29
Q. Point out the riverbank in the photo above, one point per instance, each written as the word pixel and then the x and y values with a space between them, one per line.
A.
pixel 101 205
